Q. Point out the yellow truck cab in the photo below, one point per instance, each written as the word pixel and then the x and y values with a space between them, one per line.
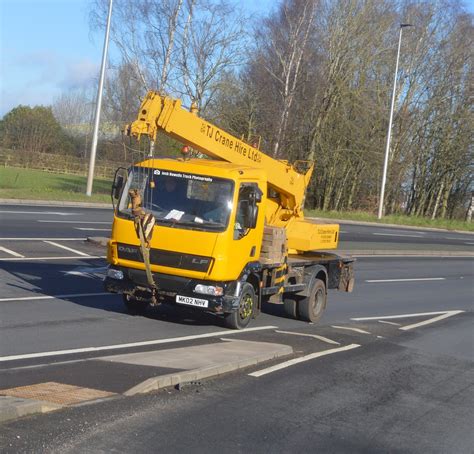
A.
pixel 219 235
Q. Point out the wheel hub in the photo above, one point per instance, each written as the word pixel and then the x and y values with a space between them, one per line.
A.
pixel 245 309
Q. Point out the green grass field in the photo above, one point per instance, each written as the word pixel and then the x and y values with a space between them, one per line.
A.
pixel 18 183
pixel 449 224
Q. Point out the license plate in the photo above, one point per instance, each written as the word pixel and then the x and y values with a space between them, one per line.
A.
pixel 191 301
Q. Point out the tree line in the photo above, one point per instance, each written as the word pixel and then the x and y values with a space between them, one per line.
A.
pixel 313 80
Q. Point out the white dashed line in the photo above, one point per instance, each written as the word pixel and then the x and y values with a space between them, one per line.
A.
pixel 132 344
pixel 406 280
pixel 357 330
pixel 315 336
pixel 9 251
pixel 302 359
pixel 75 251
pixel 388 323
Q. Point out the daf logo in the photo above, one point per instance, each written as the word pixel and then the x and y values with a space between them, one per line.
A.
pixel 130 250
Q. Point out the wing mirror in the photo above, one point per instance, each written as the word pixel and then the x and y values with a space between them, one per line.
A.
pixel 118 184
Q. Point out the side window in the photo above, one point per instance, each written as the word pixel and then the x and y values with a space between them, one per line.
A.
pixel 242 216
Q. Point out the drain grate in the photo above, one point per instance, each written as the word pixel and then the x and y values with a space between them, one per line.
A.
pixel 57 393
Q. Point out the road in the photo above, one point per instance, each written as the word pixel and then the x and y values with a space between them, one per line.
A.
pixel 398 390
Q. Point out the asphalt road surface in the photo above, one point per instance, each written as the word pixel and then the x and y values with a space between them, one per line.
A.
pixel 406 387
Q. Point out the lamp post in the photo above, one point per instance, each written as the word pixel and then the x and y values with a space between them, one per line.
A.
pixel 389 133
pixel 90 174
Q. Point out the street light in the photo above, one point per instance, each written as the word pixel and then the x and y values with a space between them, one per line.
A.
pixel 389 133
pixel 90 174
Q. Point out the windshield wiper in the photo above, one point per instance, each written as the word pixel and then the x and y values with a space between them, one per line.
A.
pixel 194 225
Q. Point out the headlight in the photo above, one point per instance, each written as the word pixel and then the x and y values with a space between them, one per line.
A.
pixel 213 290
pixel 115 274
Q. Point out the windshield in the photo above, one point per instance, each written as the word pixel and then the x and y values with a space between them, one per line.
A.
pixel 182 200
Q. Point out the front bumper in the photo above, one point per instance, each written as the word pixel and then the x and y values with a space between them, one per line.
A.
pixel 134 283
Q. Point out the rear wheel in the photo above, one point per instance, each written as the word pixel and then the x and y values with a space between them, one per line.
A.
pixel 311 307
pixel 240 318
pixel 290 306
pixel 133 306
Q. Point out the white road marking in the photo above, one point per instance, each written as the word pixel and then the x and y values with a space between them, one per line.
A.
pixel 321 338
pixel 455 238
pixel 131 344
pixel 91 228
pixel 302 359
pixel 440 316
pixel 73 222
pixel 468 243
pixel 75 251
pixel 357 330
pixel 390 317
pixel 52 297
pixel 9 251
pixel 388 323
pixel 56 213
pixel 27 259
pixel 396 234
pixel 431 320
pixel 43 239
pixel 83 274
pixel 407 280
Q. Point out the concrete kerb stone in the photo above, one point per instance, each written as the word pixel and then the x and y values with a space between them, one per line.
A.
pixel 401 253
pixel 382 224
pixel 164 381
pixel 15 407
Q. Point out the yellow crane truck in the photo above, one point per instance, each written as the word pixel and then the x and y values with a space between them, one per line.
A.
pixel 222 233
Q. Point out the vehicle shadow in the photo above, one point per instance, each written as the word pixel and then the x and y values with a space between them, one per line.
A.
pixel 52 279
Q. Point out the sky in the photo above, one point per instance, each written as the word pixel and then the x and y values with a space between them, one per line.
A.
pixel 46 48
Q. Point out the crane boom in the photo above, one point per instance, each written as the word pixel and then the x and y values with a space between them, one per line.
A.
pixel 162 113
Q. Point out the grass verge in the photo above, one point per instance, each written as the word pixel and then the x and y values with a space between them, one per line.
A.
pixel 450 224
pixel 16 183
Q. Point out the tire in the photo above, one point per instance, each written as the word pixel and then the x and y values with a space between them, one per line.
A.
pixel 240 318
pixel 311 308
pixel 133 306
pixel 290 306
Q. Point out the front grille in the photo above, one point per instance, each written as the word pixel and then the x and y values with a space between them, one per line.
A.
pixel 162 257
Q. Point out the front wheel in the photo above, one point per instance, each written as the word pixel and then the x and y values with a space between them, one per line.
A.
pixel 240 318
pixel 311 307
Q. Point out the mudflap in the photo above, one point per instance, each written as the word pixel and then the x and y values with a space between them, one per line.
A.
pixel 346 278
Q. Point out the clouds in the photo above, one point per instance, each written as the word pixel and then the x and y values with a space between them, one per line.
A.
pixel 80 74
pixel 40 76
